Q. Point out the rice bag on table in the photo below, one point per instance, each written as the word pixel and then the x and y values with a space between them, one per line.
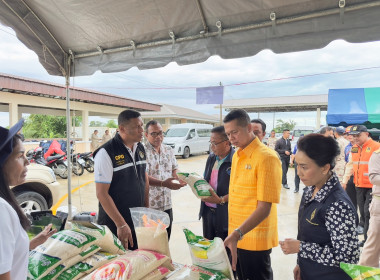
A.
pixel 360 272
pixel 193 272
pixel 150 227
pixel 60 247
pixel 157 274
pixel 133 265
pixel 199 186
pixel 209 254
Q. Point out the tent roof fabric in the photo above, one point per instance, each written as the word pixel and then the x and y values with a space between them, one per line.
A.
pixel 354 106
pixel 115 35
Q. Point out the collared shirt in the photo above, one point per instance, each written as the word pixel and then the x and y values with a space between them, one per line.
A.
pixel 272 142
pixel 340 223
pixel 255 176
pixel 374 172
pixel 160 166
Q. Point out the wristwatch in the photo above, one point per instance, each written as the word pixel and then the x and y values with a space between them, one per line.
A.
pixel 240 233
pixel 222 202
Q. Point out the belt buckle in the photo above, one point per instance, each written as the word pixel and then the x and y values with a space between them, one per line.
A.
pixel 212 209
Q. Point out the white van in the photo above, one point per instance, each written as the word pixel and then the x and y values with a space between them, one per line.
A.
pixel 188 138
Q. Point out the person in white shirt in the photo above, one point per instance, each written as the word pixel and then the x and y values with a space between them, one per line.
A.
pixel 14 241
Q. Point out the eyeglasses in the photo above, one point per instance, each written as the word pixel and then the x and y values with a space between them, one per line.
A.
pixel 216 144
pixel 155 134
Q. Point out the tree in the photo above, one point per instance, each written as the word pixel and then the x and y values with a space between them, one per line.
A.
pixel 96 124
pixel 111 124
pixel 281 125
pixel 44 126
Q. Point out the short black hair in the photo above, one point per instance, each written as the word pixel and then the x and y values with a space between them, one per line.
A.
pixel 220 130
pixel 322 150
pixel 325 129
pixel 152 122
pixel 285 130
pixel 125 116
pixel 238 114
pixel 260 121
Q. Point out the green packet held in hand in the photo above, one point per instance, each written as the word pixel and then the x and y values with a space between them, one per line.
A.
pixel 197 183
pixel 360 272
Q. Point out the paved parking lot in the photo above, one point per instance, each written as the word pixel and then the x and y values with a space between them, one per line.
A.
pixel 186 209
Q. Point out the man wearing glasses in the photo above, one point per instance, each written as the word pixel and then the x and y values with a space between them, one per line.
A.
pixel 162 171
pixel 359 157
pixel 214 209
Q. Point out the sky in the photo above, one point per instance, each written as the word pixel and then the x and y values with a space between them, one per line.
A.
pixel 269 75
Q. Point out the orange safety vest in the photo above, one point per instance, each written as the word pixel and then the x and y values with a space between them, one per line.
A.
pixel 360 159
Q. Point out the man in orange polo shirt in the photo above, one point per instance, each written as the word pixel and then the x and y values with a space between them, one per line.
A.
pixel 255 187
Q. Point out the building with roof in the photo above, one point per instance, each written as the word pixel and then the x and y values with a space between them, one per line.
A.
pixel 170 114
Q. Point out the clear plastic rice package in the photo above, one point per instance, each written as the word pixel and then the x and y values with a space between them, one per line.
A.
pixel 199 186
pixel 64 246
pixel 157 274
pixel 150 227
pixel 105 239
pixel 193 272
pixel 360 272
pixel 133 265
pixel 210 254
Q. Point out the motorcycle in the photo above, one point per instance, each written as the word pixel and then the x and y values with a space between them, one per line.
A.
pixel 78 164
pixel 57 163
pixel 88 161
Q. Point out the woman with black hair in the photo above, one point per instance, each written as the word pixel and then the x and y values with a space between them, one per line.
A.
pixel 327 218
pixel 14 241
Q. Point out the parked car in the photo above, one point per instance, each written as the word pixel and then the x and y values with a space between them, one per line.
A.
pixel 40 190
pixel 188 138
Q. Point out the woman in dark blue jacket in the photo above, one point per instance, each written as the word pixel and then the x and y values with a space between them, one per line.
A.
pixel 327 218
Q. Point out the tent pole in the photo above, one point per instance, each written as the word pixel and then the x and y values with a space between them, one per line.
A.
pixel 68 146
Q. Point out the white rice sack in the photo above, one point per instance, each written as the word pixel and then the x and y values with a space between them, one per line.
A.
pixel 210 254
pixel 60 247
pixel 157 274
pixel 105 239
pixel 86 266
pixel 133 265
pixel 150 227
pixel 197 183
pixel 193 272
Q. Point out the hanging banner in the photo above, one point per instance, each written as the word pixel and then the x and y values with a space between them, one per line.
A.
pixel 210 95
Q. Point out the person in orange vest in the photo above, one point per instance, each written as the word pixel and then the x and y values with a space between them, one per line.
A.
pixel 359 157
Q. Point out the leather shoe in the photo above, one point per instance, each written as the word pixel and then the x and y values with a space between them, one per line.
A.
pixel 361 243
pixel 286 186
pixel 296 190
pixel 360 230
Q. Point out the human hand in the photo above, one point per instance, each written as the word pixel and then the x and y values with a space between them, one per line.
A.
pixel 291 163
pixel 42 237
pixel 344 185
pixel 214 198
pixel 124 234
pixel 287 153
pixel 290 246
pixel 297 273
pixel 231 243
pixel 170 184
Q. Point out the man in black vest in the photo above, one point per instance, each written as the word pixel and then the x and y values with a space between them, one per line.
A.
pixel 283 148
pixel 121 179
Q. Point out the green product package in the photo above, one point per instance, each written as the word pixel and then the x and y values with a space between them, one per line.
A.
pixel 193 272
pixel 209 254
pixel 360 272
pixel 199 186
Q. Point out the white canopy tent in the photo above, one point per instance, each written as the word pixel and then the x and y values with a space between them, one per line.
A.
pixel 77 38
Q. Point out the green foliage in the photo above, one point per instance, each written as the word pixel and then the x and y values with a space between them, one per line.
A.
pixel 111 124
pixel 96 124
pixel 44 126
pixel 281 125
pixel 77 121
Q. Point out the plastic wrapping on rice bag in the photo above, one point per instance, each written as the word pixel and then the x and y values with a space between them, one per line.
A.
pixel 360 272
pixel 133 265
pixel 63 246
pixel 193 272
pixel 150 227
pixel 197 183
pixel 105 239
pixel 86 266
pixel 210 254
pixel 157 274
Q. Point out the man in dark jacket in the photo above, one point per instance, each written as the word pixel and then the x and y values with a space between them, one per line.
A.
pixel 283 148
pixel 214 209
